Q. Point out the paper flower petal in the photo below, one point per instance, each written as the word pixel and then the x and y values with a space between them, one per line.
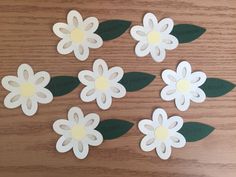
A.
pixel 138 33
pixel 166 25
pixel 91 24
pixel 142 49
pixel 94 138
pixel 158 53
pixel 163 151
pixel 64 144
pixel 149 21
pixel 65 46
pixel 159 117
pixel 75 115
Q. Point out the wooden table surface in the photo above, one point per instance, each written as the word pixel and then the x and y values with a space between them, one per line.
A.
pixel 27 144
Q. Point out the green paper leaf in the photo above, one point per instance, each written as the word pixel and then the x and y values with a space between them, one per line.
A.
pixel 134 81
pixel 61 85
pixel 112 29
pixel 187 32
pixel 194 131
pixel 214 87
pixel 113 128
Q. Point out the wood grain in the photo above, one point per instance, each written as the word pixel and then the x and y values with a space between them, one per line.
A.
pixel 27 145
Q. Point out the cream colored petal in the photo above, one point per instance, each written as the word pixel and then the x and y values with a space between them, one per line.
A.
pixel 94 138
pixel 94 41
pixel 74 19
pixel 65 46
pixel 159 117
pixel 64 144
pixel 90 24
pixel 104 100
pixel 142 49
pixel 164 150
pixel 184 70
pixel 158 53
pixel 29 106
pixel 75 116
pixel 150 21
pixel 61 30
pixel 80 149
pixel 148 143
pixel 43 95
pixel 81 51
pixel 138 33
pixel 25 73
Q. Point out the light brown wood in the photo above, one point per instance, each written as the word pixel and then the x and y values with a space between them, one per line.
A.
pixel 27 145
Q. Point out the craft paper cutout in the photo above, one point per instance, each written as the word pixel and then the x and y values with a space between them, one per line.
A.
pixel 161 133
pixel 77 35
pixel 215 87
pixel 134 81
pixel 183 86
pixel 61 85
pixel 113 128
pixel 112 29
pixel 187 32
pixel 195 131
pixel 102 84
pixel 78 132
pixel 27 89
pixel 154 37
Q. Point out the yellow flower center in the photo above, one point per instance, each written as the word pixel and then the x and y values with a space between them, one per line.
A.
pixel 183 85
pixel 27 89
pixel 161 133
pixel 154 37
pixel 101 83
pixel 78 132
pixel 77 35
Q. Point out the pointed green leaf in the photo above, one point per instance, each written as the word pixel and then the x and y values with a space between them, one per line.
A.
pixel 112 29
pixel 187 32
pixel 134 81
pixel 113 128
pixel 61 85
pixel 214 87
pixel 194 131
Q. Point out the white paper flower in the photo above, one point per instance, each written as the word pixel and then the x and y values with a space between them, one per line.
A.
pixel 183 86
pixel 102 84
pixel 78 132
pixel 77 35
pixel 161 133
pixel 27 89
pixel 154 37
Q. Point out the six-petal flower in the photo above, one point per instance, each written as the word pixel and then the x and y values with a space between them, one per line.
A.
pixel 27 89
pixel 183 86
pixel 102 84
pixel 154 37
pixel 77 35
pixel 78 132
pixel 161 133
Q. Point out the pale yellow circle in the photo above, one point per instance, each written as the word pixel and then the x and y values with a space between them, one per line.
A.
pixel 161 133
pixel 183 85
pixel 154 37
pixel 78 132
pixel 77 35
pixel 27 89
pixel 101 83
